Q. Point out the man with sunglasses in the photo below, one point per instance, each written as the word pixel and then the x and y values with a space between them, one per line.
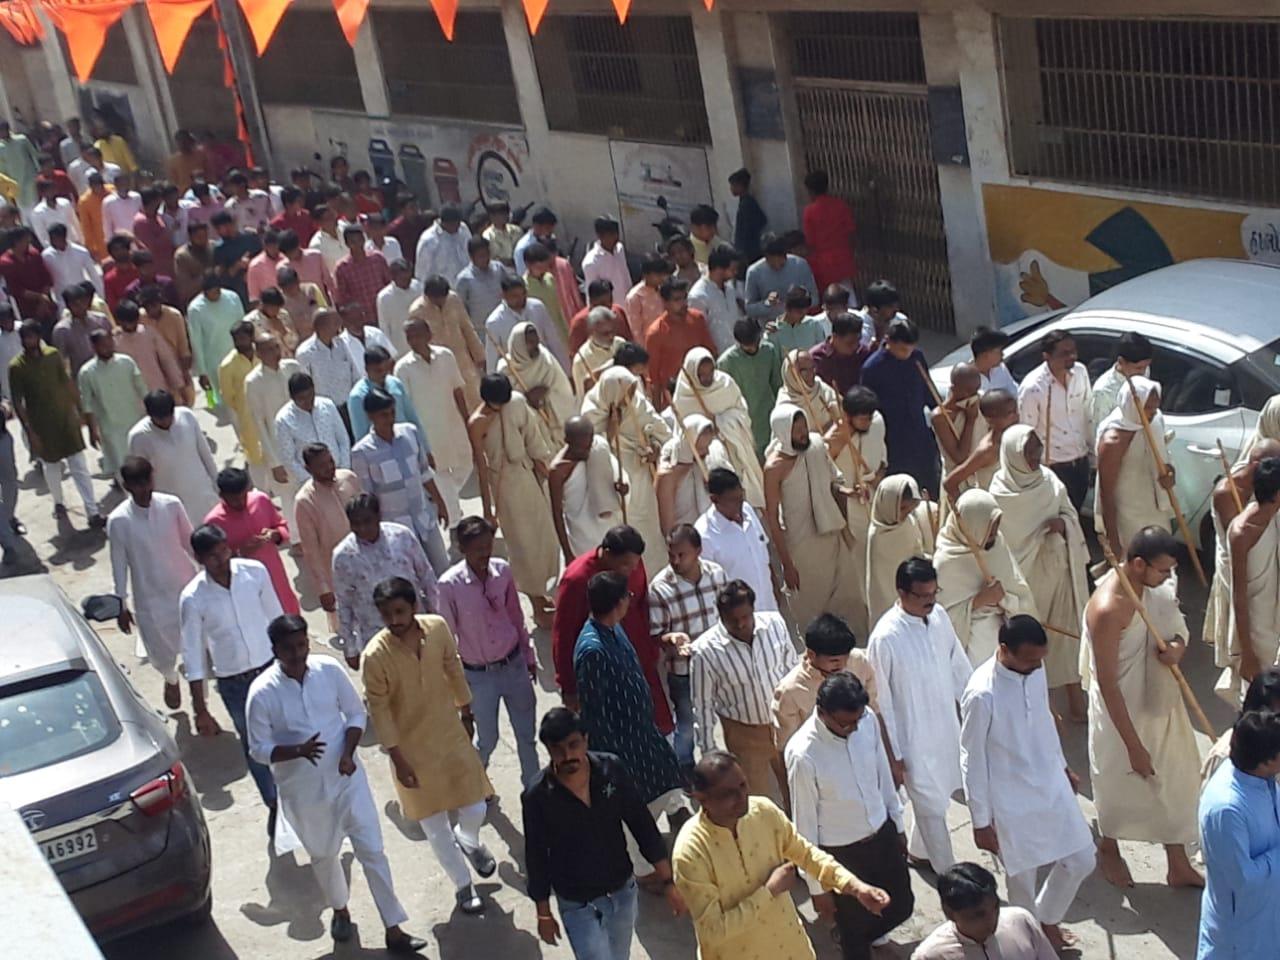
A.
pixel 478 600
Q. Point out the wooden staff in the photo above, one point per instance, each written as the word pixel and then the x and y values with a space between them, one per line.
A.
pixel 641 444
pixel 1066 633
pixel 933 517
pixel 1192 703
pixel 1164 472
pixel 546 417
pixel 937 398
pixel 1231 481
pixel 617 453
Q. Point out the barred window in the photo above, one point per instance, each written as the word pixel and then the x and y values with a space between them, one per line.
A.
pixel 876 47
pixel 1175 106
pixel 115 62
pixel 427 75
pixel 200 98
pixel 309 63
pixel 639 81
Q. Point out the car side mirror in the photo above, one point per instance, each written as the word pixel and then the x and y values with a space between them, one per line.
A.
pixel 102 607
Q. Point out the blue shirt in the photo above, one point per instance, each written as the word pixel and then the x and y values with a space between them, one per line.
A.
pixel 396 472
pixel 404 408
pixel 1240 834
pixel 763 280
pixel 903 398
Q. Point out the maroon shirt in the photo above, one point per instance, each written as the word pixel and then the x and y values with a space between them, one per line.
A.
pixel 842 373
pixel 300 223
pixel 27 278
pixel 572 611
pixel 153 233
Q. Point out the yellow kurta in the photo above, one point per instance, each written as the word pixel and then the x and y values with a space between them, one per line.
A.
pixel 722 878
pixel 231 375
pixel 414 703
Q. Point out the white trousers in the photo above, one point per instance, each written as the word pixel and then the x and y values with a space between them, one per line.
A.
pixel 366 839
pixel 448 842
pixel 929 839
pixel 79 470
pixel 668 803
pixel 1050 905
pixel 450 484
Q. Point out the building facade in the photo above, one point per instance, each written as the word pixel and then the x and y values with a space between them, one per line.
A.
pixel 1002 156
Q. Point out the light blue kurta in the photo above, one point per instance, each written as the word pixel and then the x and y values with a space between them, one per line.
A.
pixel 1240 831
pixel 112 390
pixel 210 323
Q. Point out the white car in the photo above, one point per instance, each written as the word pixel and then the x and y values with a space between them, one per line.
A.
pixel 1215 327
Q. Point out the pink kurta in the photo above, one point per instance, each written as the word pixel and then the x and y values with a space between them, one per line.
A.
pixel 241 526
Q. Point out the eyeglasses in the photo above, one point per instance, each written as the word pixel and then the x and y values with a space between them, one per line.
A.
pixel 931 595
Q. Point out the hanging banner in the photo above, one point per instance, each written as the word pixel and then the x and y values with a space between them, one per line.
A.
pixel 535 10
pixel 447 14
pixel 18 17
pixel 85 24
pixel 172 21
pixel 263 16
pixel 351 14
pixel 622 8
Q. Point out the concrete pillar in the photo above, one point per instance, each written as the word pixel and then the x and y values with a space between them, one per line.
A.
pixel 242 52
pixel 524 72
pixel 64 86
pixel 373 86
pixel 721 95
pixel 960 188
pixel 156 129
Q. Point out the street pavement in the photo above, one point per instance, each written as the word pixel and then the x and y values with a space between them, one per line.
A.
pixel 268 908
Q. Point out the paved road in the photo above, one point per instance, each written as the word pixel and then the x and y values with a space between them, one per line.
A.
pixel 270 909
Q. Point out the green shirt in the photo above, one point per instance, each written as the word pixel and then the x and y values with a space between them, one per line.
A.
pixel 759 377
pixel 43 386
pixel 210 323
pixel 544 289
pixel 806 334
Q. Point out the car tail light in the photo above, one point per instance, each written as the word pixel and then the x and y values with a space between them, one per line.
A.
pixel 158 795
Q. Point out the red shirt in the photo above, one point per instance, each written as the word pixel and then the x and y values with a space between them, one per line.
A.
pixel 367 203
pixel 361 280
pixel 578 332
pixel 828 233
pixel 572 611
pixel 153 233
pixel 27 279
pixel 300 223
pixel 116 282
pixel 62 185
pixel 241 526
pixel 668 340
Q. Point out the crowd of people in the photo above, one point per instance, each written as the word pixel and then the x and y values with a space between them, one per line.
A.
pixel 733 496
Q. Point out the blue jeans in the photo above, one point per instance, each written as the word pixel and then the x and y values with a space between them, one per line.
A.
pixel 510 683
pixel 234 692
pixel 602 928
pixel 678 687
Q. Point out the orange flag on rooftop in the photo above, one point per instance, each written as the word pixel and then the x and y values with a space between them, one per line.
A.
pixel 447 14
pixel 535 10
pixel 350 16
pixel 709 4
pixel 85 25
pixel 21 21
pixel 263 16
pixel 622 8
pixel 172 21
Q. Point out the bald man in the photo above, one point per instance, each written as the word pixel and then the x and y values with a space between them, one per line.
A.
pixel 998 409
pixel 957 423
pixel 587 489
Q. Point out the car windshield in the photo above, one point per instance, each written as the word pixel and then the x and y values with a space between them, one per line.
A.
pixel 53 719
pixel 1259 375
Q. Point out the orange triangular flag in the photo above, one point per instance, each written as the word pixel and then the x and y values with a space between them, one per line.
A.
pixel 351 15
pixel 447 14
pixel 172 21
pixel 263 16
pixel 535 10
pixel 21 21
pixel 709 4
pixel 85 28
pixel 622 8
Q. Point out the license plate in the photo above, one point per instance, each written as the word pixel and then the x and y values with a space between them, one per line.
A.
pixel 71 846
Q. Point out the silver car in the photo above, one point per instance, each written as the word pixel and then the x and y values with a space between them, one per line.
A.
pixel 92 770
pixel 1213 326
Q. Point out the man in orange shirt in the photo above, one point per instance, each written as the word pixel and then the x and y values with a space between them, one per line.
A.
pixel 677 331
pixel 91 215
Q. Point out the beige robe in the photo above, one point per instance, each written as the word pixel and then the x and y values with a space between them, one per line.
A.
pixel 1053 566
pixel 691 499
pixel 592 360
pixel 619 393
pixel 1262 571
pixel 813 525
pixel 511 444
pixel 1216 630
pixel 891 541
pixel 960 578
pixel 591 502
pixel 1161 809
pixel 528 373
pixel 723 403
pixel 451 328
pixel 1140 500
pixel 874 456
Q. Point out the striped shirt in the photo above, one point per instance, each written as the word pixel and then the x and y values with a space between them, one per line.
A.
pixel 677 605
pixel 736 680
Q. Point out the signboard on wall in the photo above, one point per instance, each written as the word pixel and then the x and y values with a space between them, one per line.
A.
pixel 442 163
pixel 656 181
pixel 1054 248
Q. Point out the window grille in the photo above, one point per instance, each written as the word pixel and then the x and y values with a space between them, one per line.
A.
pixel 1174 106
pixel 309 63
pixel 876 47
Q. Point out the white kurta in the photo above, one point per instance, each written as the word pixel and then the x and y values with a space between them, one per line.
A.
pixel 1161 809
pixel 151 550
pixel 430 386
pixel 1014 771
pixel 921 671
pixel 591 502
pixel 181 459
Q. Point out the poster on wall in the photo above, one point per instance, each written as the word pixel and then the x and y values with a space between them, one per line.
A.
pixel 1051 248
pixel 442 163
pixel 656 182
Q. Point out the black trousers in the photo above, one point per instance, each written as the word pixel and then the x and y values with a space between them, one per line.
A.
pixel 1074 475
pixel 879 861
